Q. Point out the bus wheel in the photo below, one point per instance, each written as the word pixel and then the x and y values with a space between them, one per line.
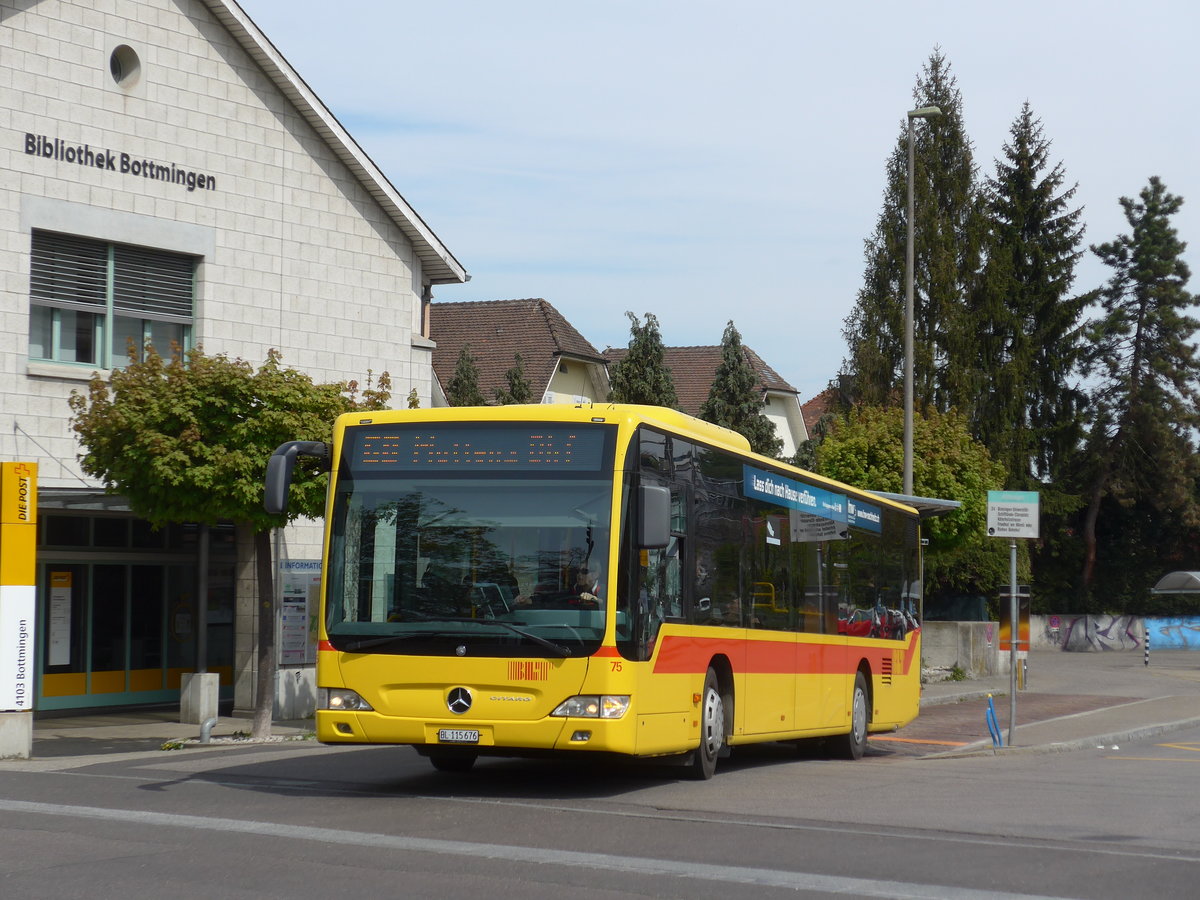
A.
pixel 452 761
pixel 712 729
pixel 852 745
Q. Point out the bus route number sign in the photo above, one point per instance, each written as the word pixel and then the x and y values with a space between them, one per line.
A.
pixel 1012 514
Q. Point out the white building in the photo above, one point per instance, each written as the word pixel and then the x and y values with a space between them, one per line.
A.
pixel 170 177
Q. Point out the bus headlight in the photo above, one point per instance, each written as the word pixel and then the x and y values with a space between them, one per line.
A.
pixel 592 706
pixel 341 699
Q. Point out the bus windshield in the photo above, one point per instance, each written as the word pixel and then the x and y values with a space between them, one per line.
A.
pixel 488 555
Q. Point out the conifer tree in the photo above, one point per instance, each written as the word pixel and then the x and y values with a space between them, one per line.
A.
pixel 947 230
pixel 734 400
pixel 1027 324
pixel 1141 443
pixel 463 389
pixel 518 389
pixel 642 375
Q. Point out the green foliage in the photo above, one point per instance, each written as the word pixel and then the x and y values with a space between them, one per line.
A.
pixel 414 402
pixel 642 375
pixel 463 389
pixel 518 389
pixel 947 231
pixel 1030 336
pixel 1144 472
pixel 188 440
pixel 867 449
pixel 734 400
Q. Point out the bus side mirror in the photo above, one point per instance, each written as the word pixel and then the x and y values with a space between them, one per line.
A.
pixel 279 472
pixel 654 518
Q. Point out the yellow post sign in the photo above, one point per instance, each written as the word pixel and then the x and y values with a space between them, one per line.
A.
pixel 18 570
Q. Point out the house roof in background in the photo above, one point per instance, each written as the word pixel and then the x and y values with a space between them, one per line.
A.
pixel 694 368
pixel 496 330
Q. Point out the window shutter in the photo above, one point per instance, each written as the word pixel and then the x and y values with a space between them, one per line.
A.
pixel 153 284
pixel 68 272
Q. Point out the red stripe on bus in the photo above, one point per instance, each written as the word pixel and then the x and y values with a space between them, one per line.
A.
pixel 607 651
pixel 680 654
pixel 325 645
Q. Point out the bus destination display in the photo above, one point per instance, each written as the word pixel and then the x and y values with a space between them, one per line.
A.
pixel 454 446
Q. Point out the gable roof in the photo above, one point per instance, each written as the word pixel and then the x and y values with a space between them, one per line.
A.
pixel 694 368
pixel 496 331
pixel 437 263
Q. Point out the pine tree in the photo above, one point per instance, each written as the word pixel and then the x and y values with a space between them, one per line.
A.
pixel 642 375
pixel 1144 461
pixel 947 230
pixel 1028 326
pixel 463 389
pixel 518 389
pixel 734 400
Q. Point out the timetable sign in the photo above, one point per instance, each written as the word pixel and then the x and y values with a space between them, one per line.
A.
pixel 1012 514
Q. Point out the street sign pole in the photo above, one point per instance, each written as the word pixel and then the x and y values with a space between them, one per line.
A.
pixel 1014 633
pixel 1012 514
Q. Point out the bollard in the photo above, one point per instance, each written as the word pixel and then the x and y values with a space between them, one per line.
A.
pixel 206 730
pixel 993 726
pixel 1146 628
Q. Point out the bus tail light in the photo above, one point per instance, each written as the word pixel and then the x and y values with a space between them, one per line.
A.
pixel 341 699
pixel 591 706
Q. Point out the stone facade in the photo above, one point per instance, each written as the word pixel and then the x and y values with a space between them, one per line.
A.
pixel 175 125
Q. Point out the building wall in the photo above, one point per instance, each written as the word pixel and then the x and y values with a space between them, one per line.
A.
pixel 295 254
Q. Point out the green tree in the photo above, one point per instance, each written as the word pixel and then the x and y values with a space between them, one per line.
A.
pixel 866 450
pixel 947 230
pixel 517 389
pixel 642 375
pixel 463 389
pixel 1143 463
pixel 1028 326
pixel 187 440
pixel 734 400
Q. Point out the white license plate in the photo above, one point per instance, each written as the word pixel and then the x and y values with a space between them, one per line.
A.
pixel 457 736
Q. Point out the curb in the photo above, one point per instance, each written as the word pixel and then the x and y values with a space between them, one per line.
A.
pixel 981 748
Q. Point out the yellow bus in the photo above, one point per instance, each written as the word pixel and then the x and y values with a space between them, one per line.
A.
pixel 518 580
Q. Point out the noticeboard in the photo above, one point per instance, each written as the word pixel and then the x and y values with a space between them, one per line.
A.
pixel 1012 514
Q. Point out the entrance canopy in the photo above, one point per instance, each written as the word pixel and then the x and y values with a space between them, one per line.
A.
pixel 1178 583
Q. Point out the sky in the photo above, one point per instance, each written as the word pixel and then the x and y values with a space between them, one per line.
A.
pixel 710 161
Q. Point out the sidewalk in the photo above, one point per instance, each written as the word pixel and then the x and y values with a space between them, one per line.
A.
pixel 138 731
pixel 1071 701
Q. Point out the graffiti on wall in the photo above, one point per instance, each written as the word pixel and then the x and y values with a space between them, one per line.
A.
pixel 1084 633
pixel 1174 633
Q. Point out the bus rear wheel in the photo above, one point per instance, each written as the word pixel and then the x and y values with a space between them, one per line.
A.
pixel 712 729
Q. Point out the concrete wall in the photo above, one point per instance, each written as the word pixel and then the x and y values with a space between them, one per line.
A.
pixel 971 646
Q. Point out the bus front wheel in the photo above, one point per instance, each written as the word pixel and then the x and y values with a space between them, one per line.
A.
pixel 854 744
pixel 452 760
pixel 712 729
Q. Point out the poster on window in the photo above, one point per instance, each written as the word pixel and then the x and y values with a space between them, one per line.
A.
pixel 59 620
pixel 301 581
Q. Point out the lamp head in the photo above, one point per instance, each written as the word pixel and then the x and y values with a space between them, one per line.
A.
pixel 925 112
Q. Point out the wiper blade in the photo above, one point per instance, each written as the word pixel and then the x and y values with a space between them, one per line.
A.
pixel 367 643
pixel 537 639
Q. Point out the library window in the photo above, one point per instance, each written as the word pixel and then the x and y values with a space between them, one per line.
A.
pixel 91 301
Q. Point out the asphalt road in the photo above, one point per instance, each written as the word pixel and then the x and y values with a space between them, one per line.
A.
pixel 301 820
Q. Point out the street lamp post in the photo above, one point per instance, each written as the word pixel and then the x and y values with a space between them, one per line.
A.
pixel 924 112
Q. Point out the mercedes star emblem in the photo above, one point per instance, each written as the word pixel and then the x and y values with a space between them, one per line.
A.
pixel 459 701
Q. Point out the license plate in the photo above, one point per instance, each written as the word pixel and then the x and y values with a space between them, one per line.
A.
pixel 457 736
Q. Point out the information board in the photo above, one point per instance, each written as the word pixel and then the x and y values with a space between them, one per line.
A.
pixel 1012 514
